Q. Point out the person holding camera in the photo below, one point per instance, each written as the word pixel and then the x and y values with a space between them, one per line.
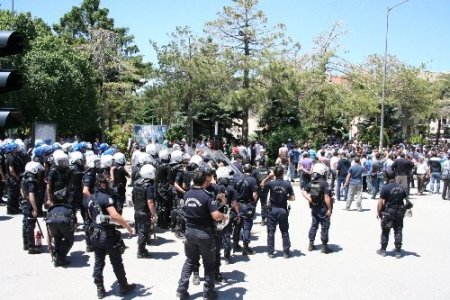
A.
pixel 391 211
pixel 105 239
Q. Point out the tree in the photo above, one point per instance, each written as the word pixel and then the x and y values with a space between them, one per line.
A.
pixel 247 41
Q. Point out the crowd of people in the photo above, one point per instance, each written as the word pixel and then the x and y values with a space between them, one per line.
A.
pixel 205 197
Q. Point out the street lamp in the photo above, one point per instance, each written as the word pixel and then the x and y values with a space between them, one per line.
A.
pixel 383 96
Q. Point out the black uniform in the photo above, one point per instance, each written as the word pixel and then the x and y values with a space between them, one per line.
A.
pixel 120 183
pixel 105 239
pixel 392 213
pixel 29 185
pixel 60 223
pixel 245 188
pixel 280 191
pixel 198 206
pixel 13 183
pixel 143 191
pixel 60 180
pixel 175 175
pixel 89 182
pixel 164 195
pixel 260 174
pixel 223 186
pixel 76 187
pixel 318 189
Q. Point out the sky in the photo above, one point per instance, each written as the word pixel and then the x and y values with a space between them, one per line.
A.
pixel 419 30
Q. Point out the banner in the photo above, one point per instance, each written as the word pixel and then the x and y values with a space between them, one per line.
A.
pixel 44 131
pixel 144 134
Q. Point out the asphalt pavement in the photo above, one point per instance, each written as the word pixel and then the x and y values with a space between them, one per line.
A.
pixel 352 271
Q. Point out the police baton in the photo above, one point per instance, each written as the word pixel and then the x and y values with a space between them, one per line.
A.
pixel 39 226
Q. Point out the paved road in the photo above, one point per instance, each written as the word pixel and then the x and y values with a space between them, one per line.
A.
pixel 353 271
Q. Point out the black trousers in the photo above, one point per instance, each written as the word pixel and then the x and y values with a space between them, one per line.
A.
pixel 63 236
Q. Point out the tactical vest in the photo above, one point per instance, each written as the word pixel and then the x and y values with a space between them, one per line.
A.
pixel 161 174
pixel 172 172
pixel 139 195
pixel 316 192
pixel 243 189
pixel 261 174
pixel 24 184
pixel 187 180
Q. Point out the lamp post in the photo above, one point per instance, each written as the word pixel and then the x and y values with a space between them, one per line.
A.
pixel 383 95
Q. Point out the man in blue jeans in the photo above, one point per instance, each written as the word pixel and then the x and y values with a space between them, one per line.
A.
pixel 435 170
pixel 377 175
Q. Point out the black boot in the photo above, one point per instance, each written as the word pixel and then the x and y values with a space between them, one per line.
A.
pixel 311 246
pixel 196 279
pixel 227 257
pixel 126 288
pixel 325 249
pixel 247 250
pixel 143 253
pixel 101 293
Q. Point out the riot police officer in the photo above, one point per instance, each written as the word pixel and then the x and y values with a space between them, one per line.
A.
pixel 318 194
pixel 280 193
pixel 200 210
pixel 144 207
pixel 77 169
pixel 246 189
pixel 29 205
pixel 260 173
pixel 93 167
pixel 391 210
pixel 175 178
pixel 119 179
pixel 15 168
pixel 60 219
pixel 164 192
pixel 105 239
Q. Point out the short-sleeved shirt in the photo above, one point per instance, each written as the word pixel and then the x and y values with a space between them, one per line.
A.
pixel 323 189
pixel 342 167
pixel 280 191
pixel 393 194
pixel 104 201
pixel 198 206
pixel 89 180
pixel 356 174
pixel 245 188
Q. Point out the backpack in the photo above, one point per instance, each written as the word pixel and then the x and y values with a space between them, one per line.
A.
pixel 139 195
pixel 316 192
pixel 445 170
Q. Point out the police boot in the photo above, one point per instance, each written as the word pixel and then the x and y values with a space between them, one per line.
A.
pixel 325 249
pixel 196 279
pixel 126 288
pixel 311 246
pixel 34 250
pixel 247 250
pixel 218 276
pixel 143 253
pixel 227 257
pixel 101 293
pixel 398 252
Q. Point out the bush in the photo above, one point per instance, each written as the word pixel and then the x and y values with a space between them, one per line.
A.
pixel 119 136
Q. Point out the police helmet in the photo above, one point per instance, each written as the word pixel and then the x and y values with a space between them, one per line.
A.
pixel 147 171
pixel 48 141
pixel 186 158
pixel 47 149
pixel 103 147
pixel 67 147
pixel 20 144
pixel 56 146
pixel 224 172
pixel 76 157
pixel 196 159
pixel 89 153
pixel 110 151
pixel 33 167
pixel 176 157
pixel 176 147
pixel 38 143
pixel 247 168
pixel 164 155
pixel 119 158
pixel 151 149
pixel 106 160
pixel 38 151
pixel 93 161
pixel 11 147
pixel 60 158
pixel 319 168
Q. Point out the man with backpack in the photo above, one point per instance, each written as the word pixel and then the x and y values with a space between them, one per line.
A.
pixel 318 194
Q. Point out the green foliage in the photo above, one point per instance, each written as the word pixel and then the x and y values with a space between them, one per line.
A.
pixel 417 139
pixel 119 136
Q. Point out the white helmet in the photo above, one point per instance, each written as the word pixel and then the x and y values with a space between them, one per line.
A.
pixel 88 153
pixel 164 154
pixel 186 158
pixel 176 147
pixel 196 159
pixel 319 168
pixel 60 158
pixel 224 172
pixel 66 147
pixel 93 161
pixel 150 149
pixel 33 167
pixel 145 158
pixel 119 158
pixel 107 160
pixel 176 157
pixel 147 171
pixel 76 157
pixel 20 143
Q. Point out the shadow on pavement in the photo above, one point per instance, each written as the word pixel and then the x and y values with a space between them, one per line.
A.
pixel 232 293
pixel 160 240
pixel 404 253
pixel 334 248
pixel 79 237
pixel 259 249
pixel 238 257
pixel 139 291
pixel 224 290
pixel 78 259
pixel 162 255
pixel 295 253
pixel 5 218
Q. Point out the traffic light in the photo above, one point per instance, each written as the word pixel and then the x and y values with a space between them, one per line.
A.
pixel 11 43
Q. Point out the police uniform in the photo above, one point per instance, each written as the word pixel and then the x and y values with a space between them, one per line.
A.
pixel 392 213
pixel 143 191
pixel 60 223
pixel 175 175
pixel 89 182
pixel 120 183
pixel 200 241
pixel 105 239
pixel 260 174
pixel 280 190
pixel 14 162
pixel 318 189
pixel 245 188
pixel 59 180
pixel 76 198
pixel 164 196
pixel 29 185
